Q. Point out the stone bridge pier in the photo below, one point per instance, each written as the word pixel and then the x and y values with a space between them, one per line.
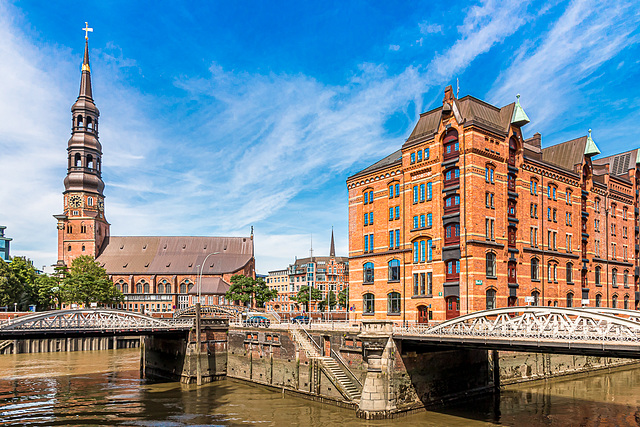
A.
pixel 189 356
pixel 404 375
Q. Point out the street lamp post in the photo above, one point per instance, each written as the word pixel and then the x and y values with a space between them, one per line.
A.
pixel 198 323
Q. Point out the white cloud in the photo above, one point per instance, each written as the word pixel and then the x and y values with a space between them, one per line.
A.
pixel 483 27
pixel 394 47
pixel 429 28
pixel 260 150
pixel 551 72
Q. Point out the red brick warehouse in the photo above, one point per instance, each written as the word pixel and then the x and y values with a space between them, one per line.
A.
pixel 468 216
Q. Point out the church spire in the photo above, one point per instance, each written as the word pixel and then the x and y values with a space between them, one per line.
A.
pixel 85 79
pixel 332 250
pixel 82 227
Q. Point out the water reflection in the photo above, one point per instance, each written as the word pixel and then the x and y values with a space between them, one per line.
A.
pixel 104 388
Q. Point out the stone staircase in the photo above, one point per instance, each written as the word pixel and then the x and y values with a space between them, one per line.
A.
pixel 347 386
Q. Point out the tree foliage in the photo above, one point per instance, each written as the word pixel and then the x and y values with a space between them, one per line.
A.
pixel 246 289
pixel 302 297
pixel 86 282
pixel 343 297
pixel 17 280
pixel 330 300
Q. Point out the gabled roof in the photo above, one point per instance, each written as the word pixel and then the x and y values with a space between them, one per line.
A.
pixel 320 259
pixel 392 159
pixel 472 111
pixel 211 286
pixel 175 254
pixel 621 163
pixel 566 154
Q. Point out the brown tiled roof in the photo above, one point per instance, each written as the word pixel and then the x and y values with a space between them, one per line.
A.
pixel 619 164
pixel 211 286
pixel 427 124
pixel 567 154
pixel 175 254
pixel 484 114
pixel 391 159
pixel 326 259
pixel 472 110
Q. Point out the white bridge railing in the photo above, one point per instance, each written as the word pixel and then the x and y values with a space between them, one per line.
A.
pixel 538 323
pixel 91 319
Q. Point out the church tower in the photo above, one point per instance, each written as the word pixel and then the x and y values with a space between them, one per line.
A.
pixel 82 228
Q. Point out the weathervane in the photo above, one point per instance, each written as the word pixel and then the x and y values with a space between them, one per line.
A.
pixel 87 30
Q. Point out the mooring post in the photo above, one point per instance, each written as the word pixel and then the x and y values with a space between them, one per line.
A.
pixel 143 361
pixel 198 345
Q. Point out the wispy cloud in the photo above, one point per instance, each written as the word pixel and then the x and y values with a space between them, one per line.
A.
pixel 483 27
pixel 239 148
pixel 552 70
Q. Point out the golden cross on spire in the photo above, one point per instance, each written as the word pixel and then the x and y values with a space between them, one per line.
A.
pixel 87 30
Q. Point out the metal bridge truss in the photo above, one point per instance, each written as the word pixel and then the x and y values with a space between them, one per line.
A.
pixel 105 320
pixel 210 311
pixel 537 327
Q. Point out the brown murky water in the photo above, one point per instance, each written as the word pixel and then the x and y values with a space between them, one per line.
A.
pixel 104 388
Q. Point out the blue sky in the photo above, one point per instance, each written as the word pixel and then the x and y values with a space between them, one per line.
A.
pixel 219 116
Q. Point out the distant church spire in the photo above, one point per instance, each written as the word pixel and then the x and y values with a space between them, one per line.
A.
pixel 332 251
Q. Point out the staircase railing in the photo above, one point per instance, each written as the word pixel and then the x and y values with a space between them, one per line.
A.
pixel 275 315
pixel 342 362
pixel 311 339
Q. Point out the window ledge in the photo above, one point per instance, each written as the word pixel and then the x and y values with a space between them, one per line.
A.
pixel 393 314
pixel 422 296
pixel 492 277
pixel 368 314
pixel 367 283
pixel 393 281
pixel 535 280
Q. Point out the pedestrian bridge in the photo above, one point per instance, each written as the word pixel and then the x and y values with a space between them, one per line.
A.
pixel 90 321
pixel 590 331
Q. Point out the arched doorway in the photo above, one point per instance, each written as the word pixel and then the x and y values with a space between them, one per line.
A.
pixel 423 314
pixel 452 307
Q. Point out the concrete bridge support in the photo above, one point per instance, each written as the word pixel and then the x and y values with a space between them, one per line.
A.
pixel 179 356
pixel 404 376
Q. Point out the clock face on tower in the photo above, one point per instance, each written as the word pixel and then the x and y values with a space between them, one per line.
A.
pixel 75 201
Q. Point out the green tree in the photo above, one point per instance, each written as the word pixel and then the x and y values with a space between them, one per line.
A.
pixel 16 282
pixel 343 297
pixel 262 293
pixel 329 300
pixel 87 282
pixel 302 297
pixel 246 289
pixel 49 292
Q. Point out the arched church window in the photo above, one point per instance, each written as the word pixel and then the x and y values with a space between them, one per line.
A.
pixel 146 288
pixel 90 161
pixel 89 123
pixel 78 160
pixel 90 201
pixel 80 121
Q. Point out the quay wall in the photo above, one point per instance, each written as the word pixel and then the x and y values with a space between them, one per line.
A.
pixel 518 367
pixel 52 345
pixel 271 357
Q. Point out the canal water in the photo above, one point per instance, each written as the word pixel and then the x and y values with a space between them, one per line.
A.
pixel 104 388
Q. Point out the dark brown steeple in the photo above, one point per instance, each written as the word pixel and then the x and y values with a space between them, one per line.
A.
pixel 85 152
pixel 82 227
pixel 332 250
pixel 85 80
